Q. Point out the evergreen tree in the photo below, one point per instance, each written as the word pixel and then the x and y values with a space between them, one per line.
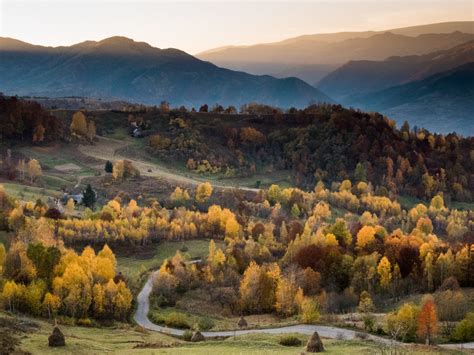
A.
pixel 89 198
pixel 109 167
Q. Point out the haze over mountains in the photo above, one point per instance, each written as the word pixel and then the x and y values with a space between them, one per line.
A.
pixel 443 102
pixel 311 57
pixel 435 91
pixel 420 74
pixel 356 77
pixel 120 68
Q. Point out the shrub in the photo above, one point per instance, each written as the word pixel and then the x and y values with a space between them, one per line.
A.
pixel 187 335
pixel 205 323
pixel 176 320
pixel 84 322
pixel 290 340
pixel 464 331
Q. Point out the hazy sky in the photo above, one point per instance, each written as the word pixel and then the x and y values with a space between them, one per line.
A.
pixel 194 26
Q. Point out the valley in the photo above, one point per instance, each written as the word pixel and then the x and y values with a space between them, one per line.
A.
pixel 306 185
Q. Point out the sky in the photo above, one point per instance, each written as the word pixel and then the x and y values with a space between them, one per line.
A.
pixel 195 26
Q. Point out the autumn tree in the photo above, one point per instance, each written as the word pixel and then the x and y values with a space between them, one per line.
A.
pixel 79 124
pixel 91 130
pixel 75 290
pixel 179 195
pixel 285 297
pixel 365 237
pixel 38 133
pixel 384 269
pixel 164 285
pixel 258 287
pixel 402 324
pixel 309 313
pixel 70 206
pixel 51 304
pixel 203 192
pixel 428 322
pixel 34 170
pixel 124 169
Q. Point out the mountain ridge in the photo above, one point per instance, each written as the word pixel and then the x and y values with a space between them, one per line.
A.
pixel 311 57
pixel 356 77
pixel 441 102
pixel 121 68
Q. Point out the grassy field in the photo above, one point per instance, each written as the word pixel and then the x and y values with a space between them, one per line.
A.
pixel 33 334
pixel 127 341
pixel 268 344
pixel 53 159
pixel 30 193
pixel 221 322
pixel 133 266
pixel 80 340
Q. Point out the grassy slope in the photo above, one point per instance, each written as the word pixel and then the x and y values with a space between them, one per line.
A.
pixel 124 341
pixel 81 340
pixel 29 193
pixel 133 266
pixel 417 298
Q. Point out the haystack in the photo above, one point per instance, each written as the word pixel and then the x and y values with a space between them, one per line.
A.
pixel 197 336
pixel 57 338
pixel 315 345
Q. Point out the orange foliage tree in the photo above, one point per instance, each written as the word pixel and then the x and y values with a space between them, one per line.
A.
pixel 428 322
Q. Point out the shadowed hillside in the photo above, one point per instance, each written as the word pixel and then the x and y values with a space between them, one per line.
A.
pixel 120 68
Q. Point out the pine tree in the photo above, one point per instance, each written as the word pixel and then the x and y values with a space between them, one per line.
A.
pixel 360 174
pixel 89 197
pixel 109 167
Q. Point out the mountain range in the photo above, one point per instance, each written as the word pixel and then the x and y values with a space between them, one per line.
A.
pixel 119 68
pixel 434 91
pixel 424 78
pixel 364 76
pixel 311 57
pixel 443 102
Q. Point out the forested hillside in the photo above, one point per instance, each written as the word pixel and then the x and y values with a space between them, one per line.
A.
pixel 322 142
pixel 327 143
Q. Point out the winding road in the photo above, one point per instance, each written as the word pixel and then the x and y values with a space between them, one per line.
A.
pixel 141 318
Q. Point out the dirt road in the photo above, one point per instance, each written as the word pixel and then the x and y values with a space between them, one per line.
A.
pixel 107 149
pixel 141 317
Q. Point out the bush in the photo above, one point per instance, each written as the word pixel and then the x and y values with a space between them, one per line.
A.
pixel 464 331
pixel 84 322
pixel 187 335
pixel 205 323
pixel 176 320
pixel 290 340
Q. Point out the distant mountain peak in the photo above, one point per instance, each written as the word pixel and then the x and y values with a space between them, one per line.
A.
pixel 121 68
pixel 121 42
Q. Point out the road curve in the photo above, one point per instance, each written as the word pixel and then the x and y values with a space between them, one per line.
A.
pixel 141 318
